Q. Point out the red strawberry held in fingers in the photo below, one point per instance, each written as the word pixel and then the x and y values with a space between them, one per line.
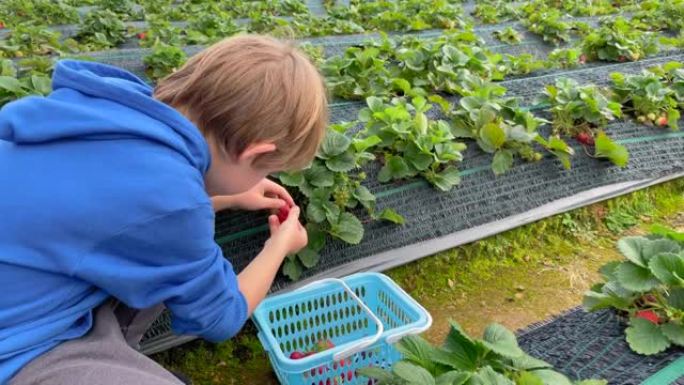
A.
pixel 283 213
pixel 648 315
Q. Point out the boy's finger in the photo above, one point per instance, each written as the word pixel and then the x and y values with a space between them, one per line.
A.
pixel 283 194
pixel 273 223
pixel 293 214
pixel 273 203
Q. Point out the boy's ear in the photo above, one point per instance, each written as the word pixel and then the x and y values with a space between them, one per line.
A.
pixel 256 149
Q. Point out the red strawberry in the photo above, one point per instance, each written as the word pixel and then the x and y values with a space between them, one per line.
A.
pixel 283 213
pixel 662 121
pixel 583 58
pixel 142 35
pixel 297 355
pixel 2 25
pixel 648 315
pixel 350 374
pixel 622 59
pixel 585 138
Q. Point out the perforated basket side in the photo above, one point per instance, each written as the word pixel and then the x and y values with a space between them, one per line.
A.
pixel 389 303
pixel 298 321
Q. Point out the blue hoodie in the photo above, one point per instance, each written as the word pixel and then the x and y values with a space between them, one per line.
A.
pixel 102 194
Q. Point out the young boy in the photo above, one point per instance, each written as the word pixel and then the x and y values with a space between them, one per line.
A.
pixel 106 187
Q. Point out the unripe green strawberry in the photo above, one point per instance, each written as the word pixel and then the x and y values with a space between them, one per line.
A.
pixel 651 116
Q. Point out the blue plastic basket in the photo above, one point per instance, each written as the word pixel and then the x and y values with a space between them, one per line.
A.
pixel 363 315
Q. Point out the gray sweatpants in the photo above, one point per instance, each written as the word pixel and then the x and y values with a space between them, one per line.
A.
pixel 104 356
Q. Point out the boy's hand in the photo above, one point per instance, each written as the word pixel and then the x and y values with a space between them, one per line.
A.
pixel 264 195
pixel 289 236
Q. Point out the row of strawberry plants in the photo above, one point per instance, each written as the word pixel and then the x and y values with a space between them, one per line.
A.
pixel 397 132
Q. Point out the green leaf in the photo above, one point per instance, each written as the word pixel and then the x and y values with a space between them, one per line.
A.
pixel 615 152
pixel 341 163
pixel 608 271
pixel 11 84
pixel 551 377
pixel 318 175
pixel 418 351
pixel 292 269
pixel 308 257
pixel 493 135
pixel 446 179
pixel 335 143
pixel 527 362
pixel 502 162
pixel 645 337
pixel 366 143
pixel 413 374
pixel 669 268
pixel 315 211
pixel 348 229
pixel 489 376
pixel 501 340
pixel 363 195
pixel 394 168
pixel 674 332
pixel 676 298
pixel 390 215
pixel 631 247
pixel 293 179
pixel 636 278
pixel 375 373
pixel 528 378
pixel 453 378
pixel 658 246
pixel 459 351
pixel 375 104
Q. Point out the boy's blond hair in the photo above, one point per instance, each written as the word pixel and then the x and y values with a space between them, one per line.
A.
pixel 253 89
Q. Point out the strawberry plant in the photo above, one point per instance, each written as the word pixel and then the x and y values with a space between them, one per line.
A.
pixel 582 112
pixel 486 13
pixel 672 74
pixel 508 35
pixel 522 64
pixel 160 31
pixel 660 14
pixel 28 40
pixel 18 12
pixel 101 29
pixel 163 60
pixel 647 288
pixel 407 15
pixel 330 191
pixel 126 9
pixel 501 127
pixel 496 358
pixel 617 40
pixel 17 82
pixel 411 143
pixel 207 28
pixel 549 25
pixel 565 58
pixel 391 67
pixel 648 97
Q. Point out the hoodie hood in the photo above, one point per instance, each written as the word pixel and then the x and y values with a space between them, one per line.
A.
pixel 93 101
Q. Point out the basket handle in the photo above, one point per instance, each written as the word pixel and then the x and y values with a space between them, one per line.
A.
pixel 363 343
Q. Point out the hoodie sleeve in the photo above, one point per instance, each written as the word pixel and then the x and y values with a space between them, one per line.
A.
pixel 172 259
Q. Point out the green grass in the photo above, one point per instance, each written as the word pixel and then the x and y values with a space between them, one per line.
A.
pixel 507 278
